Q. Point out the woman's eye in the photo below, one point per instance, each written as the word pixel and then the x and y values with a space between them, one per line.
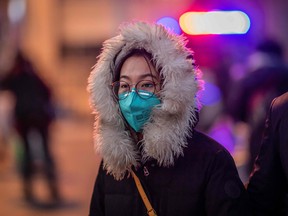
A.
pixel 124 86
pixel 148 85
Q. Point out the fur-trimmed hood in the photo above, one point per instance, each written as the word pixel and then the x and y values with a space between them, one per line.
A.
pixel 166 133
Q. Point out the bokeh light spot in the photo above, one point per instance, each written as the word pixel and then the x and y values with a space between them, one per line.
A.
pixel 214 22
pixel 16 10
pixel 170 23
pixel 211 95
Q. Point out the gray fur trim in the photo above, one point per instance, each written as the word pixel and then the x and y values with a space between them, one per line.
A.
pixel 165 135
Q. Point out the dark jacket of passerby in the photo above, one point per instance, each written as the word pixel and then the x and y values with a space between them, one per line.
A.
pixel 33 106
pixel 268 185
pixel 183 172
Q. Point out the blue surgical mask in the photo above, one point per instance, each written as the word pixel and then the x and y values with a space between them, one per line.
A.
pixel 137 110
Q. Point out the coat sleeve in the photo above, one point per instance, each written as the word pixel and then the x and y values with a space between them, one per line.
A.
pixel 267 183
pixel 97 200
pixel 225 192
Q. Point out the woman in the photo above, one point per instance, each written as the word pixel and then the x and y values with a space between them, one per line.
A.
pixel 144 93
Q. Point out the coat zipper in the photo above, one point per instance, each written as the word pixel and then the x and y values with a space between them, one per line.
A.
pixel 146 171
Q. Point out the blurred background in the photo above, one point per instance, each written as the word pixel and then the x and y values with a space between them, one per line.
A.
pixel 243 72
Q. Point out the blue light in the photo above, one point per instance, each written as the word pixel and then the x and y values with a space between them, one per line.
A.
pixel 16 10
pixel 211 94
pixel 170 23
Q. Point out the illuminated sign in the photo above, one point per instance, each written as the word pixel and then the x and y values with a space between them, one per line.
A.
pixel 214 22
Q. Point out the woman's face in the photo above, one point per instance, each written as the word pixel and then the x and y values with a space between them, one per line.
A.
pixel 136 69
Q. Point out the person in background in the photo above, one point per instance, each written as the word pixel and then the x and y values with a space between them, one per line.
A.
pixel 144 93
pixel 268 185
pixel 33 115
pixel 251 96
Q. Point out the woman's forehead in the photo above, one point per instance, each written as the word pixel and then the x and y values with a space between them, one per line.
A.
pixel 138 66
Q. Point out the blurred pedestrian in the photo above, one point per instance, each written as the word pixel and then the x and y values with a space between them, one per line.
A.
pixel 268 185
pixel 250 97
pixel 33 115
pixel 144 91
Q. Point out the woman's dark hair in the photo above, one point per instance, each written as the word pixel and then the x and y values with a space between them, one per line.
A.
pixel 134 52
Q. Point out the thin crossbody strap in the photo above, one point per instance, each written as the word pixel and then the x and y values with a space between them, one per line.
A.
pixel 150 210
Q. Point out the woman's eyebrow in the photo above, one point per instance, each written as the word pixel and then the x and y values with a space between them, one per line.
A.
pixel 124 77
pixel 148 75
pixel 143 76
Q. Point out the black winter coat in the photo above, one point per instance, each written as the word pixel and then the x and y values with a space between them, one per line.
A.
pixel 204 182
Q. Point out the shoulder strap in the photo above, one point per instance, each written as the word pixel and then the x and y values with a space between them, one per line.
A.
pixel 150 210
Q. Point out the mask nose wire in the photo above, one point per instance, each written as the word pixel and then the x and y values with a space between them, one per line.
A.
pixel 132 90
pixel 133 87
